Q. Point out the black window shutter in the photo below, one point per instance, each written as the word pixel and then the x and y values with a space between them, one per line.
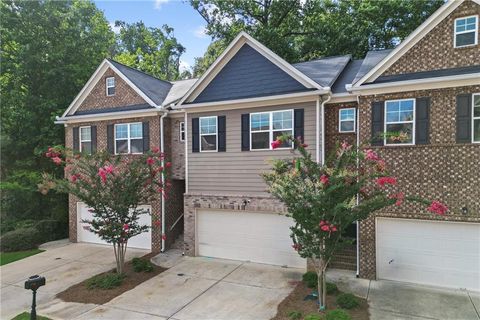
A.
pixel 222 133
pixel 378 110
pixel 195 135
pixel 298 120
pixel 464 118
pixel 246 132
pixel 146 136
pixel 76 139
pixel 110 139
pixel 422 120
pixel 93 133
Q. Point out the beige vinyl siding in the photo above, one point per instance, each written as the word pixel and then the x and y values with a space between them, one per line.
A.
pixel 237 172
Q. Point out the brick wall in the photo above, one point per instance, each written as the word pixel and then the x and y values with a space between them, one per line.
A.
pixel 442 170
pixel 98 99
pixel 436 50
pixel 332 134
pixel 178 149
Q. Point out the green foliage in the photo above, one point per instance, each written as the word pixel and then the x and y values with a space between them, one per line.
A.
pixel 8 257
pixel 26 316
pixel 105 281
pixel 331 288
pixel 313 316
pixel 51 230
pixel 213 51
pixel 142 265
pixel 337 314
pixel 294 315
pixel 347 301
pixel 310 278
pixel 20 239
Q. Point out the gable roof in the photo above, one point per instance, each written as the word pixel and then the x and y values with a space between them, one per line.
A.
pixel 324 71
pixel 347 76
pixel 410 41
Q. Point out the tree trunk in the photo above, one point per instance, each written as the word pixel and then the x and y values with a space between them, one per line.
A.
pixel 120 249
pixel 322 284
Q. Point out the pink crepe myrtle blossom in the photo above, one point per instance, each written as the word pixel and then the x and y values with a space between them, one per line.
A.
pixel 297 246
pixel 74 178
pixel 109 169
pixel 103 174
pixel 382 181
pixel 155 150
pixel 400 197
pixel 57 161
pixel 126 227
pixel 346 146
pixel 371 155
pixel 150 161
pixel 164 236
pixel 168 165
pixel 276 144
pixel 438 208
pixel 324 179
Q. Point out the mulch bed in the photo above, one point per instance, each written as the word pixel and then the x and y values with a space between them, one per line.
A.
pixel 295 302
pixel 80 293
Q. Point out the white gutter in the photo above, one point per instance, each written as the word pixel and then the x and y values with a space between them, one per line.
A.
pixel 107 116
pixel 185 126
pixel 323 127
pixel 358 199
pixel 162 150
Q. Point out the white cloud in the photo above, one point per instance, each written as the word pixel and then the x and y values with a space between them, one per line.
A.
pixel 158 4
pixel 114 29
pixel 184 65
pixel 200 32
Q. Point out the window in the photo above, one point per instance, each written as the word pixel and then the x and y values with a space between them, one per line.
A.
pixel 476 118
pixel 399 122
pixel 129 138
pixel 182 131
pixel 267 126
pixel 346 120
pixel 466 31
pixel 86 139
pixel 208 134
pixel 110 86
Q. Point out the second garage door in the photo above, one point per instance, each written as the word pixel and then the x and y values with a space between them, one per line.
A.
pixel 247 236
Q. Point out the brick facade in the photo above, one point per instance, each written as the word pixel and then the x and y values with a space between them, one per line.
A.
pixel 178 149
pixel 98 99
pixel 332 134
pixel 436 50
pixel 442 170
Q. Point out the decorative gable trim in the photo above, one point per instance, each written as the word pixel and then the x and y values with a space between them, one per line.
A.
pixel 419 33
pixel 97 75
pixel 242 39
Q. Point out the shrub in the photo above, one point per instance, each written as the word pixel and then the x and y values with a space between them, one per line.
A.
pixel 313 316
pixel 337 314
pixel 52 230
pixel 20 239
pixel 310 279
pixel 105 281
pixel 142 265
pixel 294 315
pixel 331 288
pixel 347 301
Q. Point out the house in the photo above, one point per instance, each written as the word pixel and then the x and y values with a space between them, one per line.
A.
pixel 217 130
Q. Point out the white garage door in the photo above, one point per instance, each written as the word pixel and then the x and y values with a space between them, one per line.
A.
pixel 247 236
pixel 436 253
pixel 142 241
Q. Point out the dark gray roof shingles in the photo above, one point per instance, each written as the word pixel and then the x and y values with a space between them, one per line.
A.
pixel 323 71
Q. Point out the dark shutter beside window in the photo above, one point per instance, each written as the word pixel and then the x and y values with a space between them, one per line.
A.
pixel 146 136
pixel 422 120
pixel 110 139
pixel 378 109
pixel 246 132
pixel 464 118
pixel 195 135
pixel 298 120
pixel 76 139
pixel 93 133
pixel 222 133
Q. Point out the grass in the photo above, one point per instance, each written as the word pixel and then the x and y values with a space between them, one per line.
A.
pixel 8 257
pixel 26 316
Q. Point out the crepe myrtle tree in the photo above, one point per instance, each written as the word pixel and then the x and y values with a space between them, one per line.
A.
pixel 114 188
pixel 324 200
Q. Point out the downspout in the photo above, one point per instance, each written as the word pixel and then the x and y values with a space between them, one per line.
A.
pixel 329 97
pixel 357 129
pixel 162 150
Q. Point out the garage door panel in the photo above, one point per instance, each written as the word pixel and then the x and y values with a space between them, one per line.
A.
pixel 252 236
pixel 429 252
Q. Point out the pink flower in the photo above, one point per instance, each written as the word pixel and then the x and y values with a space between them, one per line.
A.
pixel 438 208
pixel 371 155
pixel 399 196
pixel 325 228
pixel 168 164
pixel 73 178
pixel 382 181
pixel 322 223
pixel 57 160
pixel 164 236
pixel 296 246
pixel 333 228
pixel 157 223
pixel 103 174
pixel 126 227
pixel 346 146
pixel 275 144
pixel 150 161
pixel 109 169
pixel 155 150
pixel 324 179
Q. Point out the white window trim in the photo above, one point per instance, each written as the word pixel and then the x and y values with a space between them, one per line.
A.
pixel 474 118
pixel 208 134
pixel 455 33
pixel 128 137
pixel 340 120
pixel 80 137
pixel 270 129
pixel 181 131
pixel 412 121
pixel 107 86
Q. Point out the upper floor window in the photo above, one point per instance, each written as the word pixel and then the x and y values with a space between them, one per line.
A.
pixel 399 122
pixel 129 138
pixel 110 84
pixel 85 139
pixel 182 131
pixel 476 118
pixel 208 134
pixel 265 127
pixel 466 31
pixel 346 120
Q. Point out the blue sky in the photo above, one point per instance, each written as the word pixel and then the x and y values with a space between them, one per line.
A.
pixel 189 26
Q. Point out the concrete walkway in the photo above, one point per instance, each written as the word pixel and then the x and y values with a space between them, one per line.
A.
pixel 390 300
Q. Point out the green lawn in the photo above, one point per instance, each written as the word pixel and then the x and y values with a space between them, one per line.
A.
pixel 7 257
pixel 26 316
